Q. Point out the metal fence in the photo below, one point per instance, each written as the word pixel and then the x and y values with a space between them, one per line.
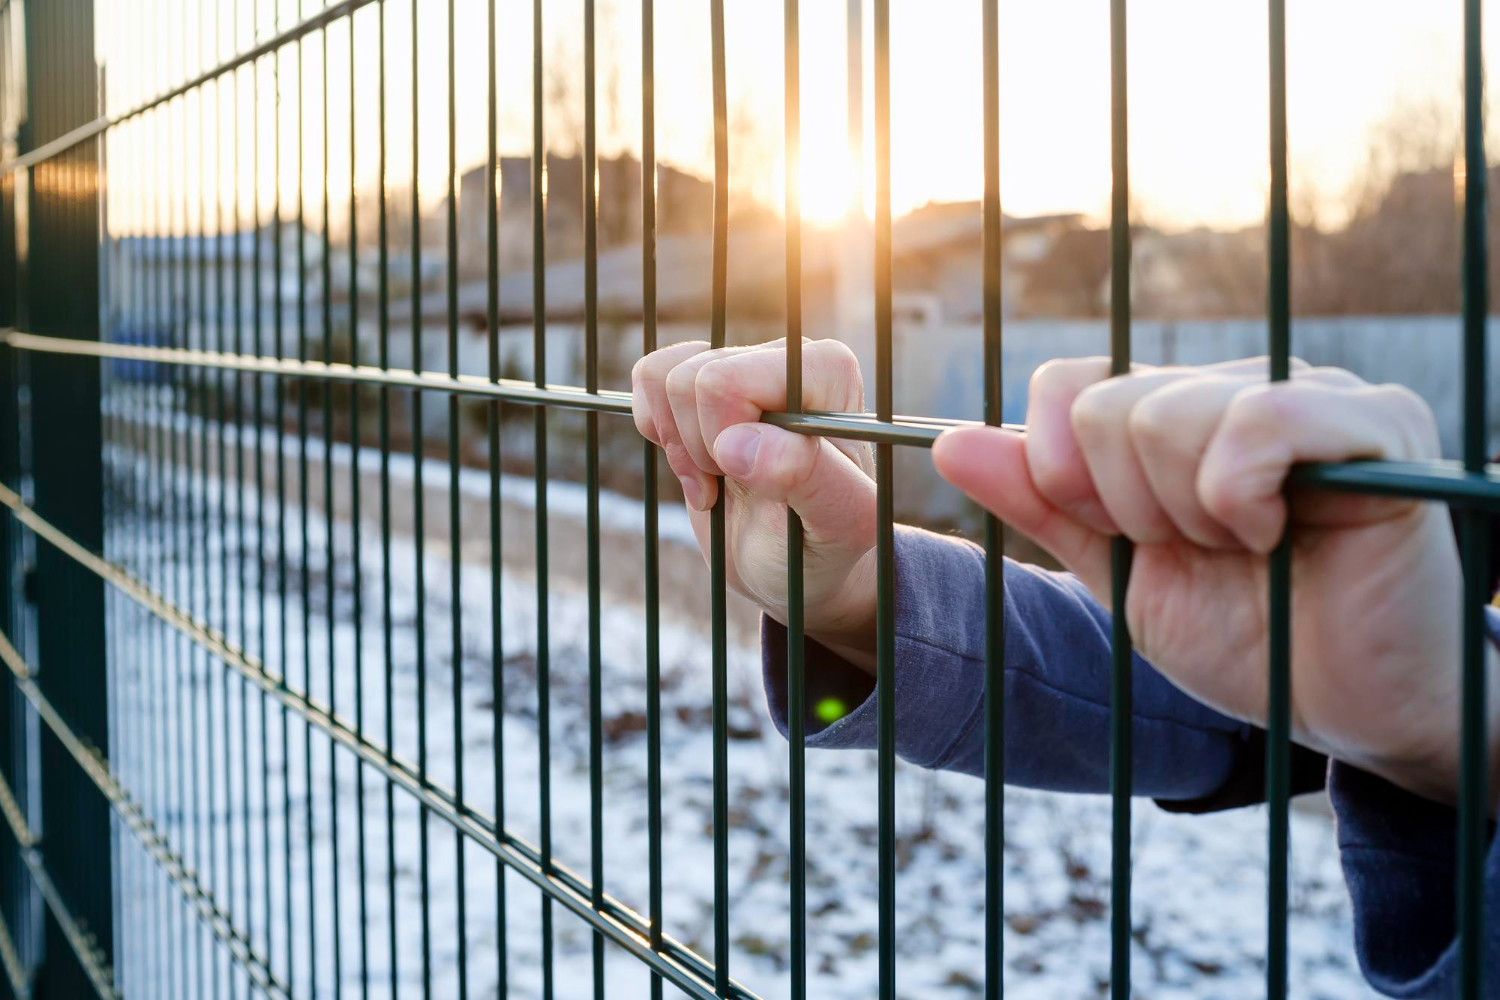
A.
pixel 146 418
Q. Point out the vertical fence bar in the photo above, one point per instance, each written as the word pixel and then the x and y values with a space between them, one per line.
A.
pixel 795 650
pixel 1279 688
pixel 330 582
pixel 419 529
pixel 1474 796
pixel 156 415
pixel 225 240
pixel 455 548
pixel 283 626
pixel 591 487
pixel 187 693
pixel 717 583
pixel 242 579
pixel 257 386
pixel 493 414
pixel 180 525
pixel 1121 550
pixel 356 549
pixel 387 611
pixel 198 541
pixel 539 465
pixel 172 763
pixel 223 258
pixel 649 492
pixel 885 643
pixel 304 520
pixel 994 532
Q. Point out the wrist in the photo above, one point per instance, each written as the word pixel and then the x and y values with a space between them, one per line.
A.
pixel 847 625
pixel 1438 775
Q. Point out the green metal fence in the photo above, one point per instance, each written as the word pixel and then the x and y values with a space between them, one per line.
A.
pixel 118 587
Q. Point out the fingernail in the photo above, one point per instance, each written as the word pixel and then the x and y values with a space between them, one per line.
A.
pixel 735 449
pixel 692 492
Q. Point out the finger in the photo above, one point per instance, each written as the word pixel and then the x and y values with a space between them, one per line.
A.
pixel 646 376
pixel 834 497
pixel 737 389
pixel 991 466
pixel 640 406
pixel 1168 430
pixel 1267 428
pixel 1059 460
pixel 699 490
pixel 1170 427
pixel 1055 461
pixel 1101 420
pixel 682 397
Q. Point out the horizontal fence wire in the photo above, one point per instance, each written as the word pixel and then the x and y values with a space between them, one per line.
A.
pixel 675 962
pixel 17 975
pixel 94 963
pixel 172 863
pixel 1440 480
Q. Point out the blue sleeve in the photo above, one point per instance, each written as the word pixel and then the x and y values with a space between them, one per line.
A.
pixel 1057 676
pixel 1399 856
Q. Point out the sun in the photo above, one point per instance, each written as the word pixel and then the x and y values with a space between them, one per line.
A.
pixel 827 187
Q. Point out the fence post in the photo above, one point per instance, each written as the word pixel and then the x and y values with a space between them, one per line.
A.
pixel 62 299
pixel 15 890
pixel 12 879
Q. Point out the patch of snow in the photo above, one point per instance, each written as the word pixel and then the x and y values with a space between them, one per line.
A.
pixel 185 729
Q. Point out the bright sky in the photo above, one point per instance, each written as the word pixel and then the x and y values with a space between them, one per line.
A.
pixel 1198 81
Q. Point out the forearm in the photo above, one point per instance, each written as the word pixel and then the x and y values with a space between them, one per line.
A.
pixel 1056 684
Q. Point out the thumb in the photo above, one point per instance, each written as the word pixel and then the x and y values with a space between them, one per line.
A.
pixel 835 499
pixel 989 464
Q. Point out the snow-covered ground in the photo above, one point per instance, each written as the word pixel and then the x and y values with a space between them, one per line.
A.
pixel 1199 882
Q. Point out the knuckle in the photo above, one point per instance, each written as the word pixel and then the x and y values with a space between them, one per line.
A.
pixel 680 381
pixel 1152 420
pixel 1095 410
pixel 1064 374
pixel 1413 416
pixel 840 361
pixel 677 456
pixel 717 381
pixel 1403 400
pixel 1256 408
pixel 1332 375
pixel 834 352
pixel 1217 495
pixel 656 366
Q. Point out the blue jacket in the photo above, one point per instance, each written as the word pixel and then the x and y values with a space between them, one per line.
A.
pixel 1397 849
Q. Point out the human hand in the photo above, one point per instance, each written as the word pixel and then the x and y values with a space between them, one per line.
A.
pixel 702 407
pixel 1190 463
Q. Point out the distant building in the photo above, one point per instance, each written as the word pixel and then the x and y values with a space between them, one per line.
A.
pixel 184 290
pixel 937 255
pixel 684 205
